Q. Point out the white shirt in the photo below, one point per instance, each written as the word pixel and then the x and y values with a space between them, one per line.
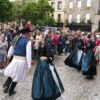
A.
pixel 28 53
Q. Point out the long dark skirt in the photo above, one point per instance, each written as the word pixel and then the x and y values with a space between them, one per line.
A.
pixel 45 86
pixel 77 59
pixel 68 60
pixel 60 49
pixel 46 99
pixel 73 60
pixel 89 64
pixel 67 49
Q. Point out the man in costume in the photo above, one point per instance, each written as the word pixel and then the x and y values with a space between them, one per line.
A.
pixel 17 70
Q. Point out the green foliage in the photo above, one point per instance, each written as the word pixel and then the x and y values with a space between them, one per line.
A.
pixel 31 12
pixel 16 11
pixel 5 10
pixel 49 21
pixel 37 13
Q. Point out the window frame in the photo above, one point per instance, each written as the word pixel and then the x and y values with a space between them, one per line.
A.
pixel 79 3
pixel 78 18
pixel 89 3
pixel 53 5
pixel 87 17
pixel 71 4
pixel 59 5
pixel 70 18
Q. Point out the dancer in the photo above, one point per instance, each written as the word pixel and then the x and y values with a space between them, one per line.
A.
pixel 88 59
pixel 21 63
pixel 46 82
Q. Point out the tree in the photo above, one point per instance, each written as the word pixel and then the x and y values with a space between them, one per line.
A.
pixel 38 13
pixel 49 21
pixel 31 12
pixel 6 10
pixel 16 11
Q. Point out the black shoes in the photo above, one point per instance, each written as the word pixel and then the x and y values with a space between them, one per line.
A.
pixel 9 86
pixel 5 89
pixel 12 93
pixel 90 77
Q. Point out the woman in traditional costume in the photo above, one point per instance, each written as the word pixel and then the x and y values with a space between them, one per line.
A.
pixel 17 69
pixel 61 42
pixel 46 82
pixel 88 59
pixel 72 59
pixel 77 58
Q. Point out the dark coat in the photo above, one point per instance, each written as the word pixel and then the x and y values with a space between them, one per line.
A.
pixel 60 47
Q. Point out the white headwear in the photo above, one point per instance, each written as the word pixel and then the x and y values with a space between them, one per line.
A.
pixel 98 36
pixel 89 33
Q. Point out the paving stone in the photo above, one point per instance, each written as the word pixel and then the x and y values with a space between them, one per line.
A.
pixel 77 87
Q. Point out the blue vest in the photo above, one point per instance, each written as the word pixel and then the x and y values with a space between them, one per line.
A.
pixel 20 49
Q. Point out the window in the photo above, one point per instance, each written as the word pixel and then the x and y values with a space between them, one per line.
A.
pixel 70 4
pixel 53 5
pixel 78 18
pixel 59 18
pixel 59 5
pixel 88 3
pixel 87 17
pixel 79 3
pixel 70 18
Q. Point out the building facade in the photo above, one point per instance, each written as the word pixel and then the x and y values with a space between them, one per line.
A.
pixel 84 12
pixel 59 7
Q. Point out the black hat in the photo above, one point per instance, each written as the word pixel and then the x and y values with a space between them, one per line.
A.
pixel 19 31
pixel 26 30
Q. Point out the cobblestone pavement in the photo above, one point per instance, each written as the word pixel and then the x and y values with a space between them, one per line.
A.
pixel 77 87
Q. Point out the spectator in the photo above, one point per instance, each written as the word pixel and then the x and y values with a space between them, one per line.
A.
pixel 3 50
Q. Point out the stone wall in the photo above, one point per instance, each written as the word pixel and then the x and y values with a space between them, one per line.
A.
pixel 93 10
pixel 56 11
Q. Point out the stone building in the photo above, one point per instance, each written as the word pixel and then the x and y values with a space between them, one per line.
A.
pixel 84 12
pixel 59 7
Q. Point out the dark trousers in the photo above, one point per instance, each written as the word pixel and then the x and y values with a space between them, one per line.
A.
pixel 35 52
pixel 10 85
